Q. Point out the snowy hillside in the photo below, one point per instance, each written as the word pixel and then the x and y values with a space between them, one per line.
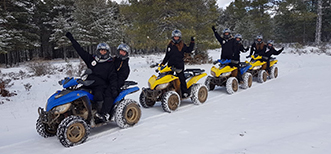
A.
pixel 287 115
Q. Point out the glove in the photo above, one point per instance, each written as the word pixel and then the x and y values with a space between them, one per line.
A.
pixel 248 56
pixel 282 48
pixel 192 39
pixel 215 62
pixel 68 35
pixel 213 28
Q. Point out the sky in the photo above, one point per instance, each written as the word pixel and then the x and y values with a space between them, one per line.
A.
pixel 220 3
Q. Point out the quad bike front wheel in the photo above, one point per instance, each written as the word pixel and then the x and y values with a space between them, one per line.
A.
pixel 274 72
pixel 208 83
pixel 43 129
pixel 170 101
pixel 248 80
pixel 144 101
pixel 232 85
pixel 262 76
pixel 199 94
pixel 127 113
pixel 72 130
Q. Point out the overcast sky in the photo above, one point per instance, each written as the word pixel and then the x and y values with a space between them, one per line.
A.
pixel 220 3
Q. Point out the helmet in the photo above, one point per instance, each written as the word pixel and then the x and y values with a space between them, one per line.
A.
pixel 271 42
pixel 259 37
pixel 125 48
pixel 238 36
pixel 103 46
pixel 174 33
pixel 226 30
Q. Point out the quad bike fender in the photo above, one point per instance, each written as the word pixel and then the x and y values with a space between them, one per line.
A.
pixel 256 63
pixel 272 63
pixel 195 79
pixel 60 99
pixel 245 69
pixel 219 71
pixel 124 93
pixel 153 81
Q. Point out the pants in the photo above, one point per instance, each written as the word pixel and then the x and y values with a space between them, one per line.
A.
pixel 239 75
pixel 183 86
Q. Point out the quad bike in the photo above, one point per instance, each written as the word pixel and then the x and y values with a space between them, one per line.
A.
pixel 226 75
pixel 259 68
pixel 70 113
pixel 166 88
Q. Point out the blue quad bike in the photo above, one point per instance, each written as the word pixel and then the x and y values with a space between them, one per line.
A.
pixel 70 113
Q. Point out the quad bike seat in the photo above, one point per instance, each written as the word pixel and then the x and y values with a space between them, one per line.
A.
pixel 192 72
pixel 243 64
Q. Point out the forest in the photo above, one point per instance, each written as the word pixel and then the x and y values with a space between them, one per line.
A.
pixel 35 29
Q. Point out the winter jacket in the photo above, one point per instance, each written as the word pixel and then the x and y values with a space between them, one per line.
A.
pixel 175 54
pixel 238 47
pixel 258 49
pixel 272 51
pixel 103 73
pixel 228 46
pixel 122 70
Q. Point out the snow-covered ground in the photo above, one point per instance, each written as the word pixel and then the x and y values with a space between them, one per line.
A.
pixel 287 115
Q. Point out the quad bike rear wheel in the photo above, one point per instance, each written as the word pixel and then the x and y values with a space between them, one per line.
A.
pixel 199 94
pixel 232 85
pixel 274 72
pixel 170 101
pixel 72 130
pixel 262 76
pixel 43 129
pixel 208 83
pixel 127 113
pixel 144 101
pixel 248 80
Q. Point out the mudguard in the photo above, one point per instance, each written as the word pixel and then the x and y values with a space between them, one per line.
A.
pixel 244 69
pixel 56 99
pixel 272 63
pixel 195 79
pixel 166 79
pixel 124 93
pixel 219 71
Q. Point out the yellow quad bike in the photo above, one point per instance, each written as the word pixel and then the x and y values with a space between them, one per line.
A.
pixel 226 75
pixel 166 88
pixel 259 68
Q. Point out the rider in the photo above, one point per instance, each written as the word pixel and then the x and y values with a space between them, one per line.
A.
pixel 258 47
pixel 271 51
pixel 238 47
pixel 122 64
pixel 103 74
pixel 174 57
pixel 226 41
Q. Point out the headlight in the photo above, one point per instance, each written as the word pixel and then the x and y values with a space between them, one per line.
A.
pixel 162 86
pixel 225 74
pixel 213 73
pixel 256 67
pixel 62 108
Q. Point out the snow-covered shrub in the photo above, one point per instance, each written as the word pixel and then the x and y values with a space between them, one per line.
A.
pixel 5 83
pixel 39 68
pixel 27 86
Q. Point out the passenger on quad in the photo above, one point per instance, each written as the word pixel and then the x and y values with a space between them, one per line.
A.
pixel 271 51
pixel 122 64
pixel 174 57
pixel 226 41
pixel 238 47
pixel 258 47
pixel 104 88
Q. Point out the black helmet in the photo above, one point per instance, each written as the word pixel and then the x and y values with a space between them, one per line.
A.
pixel 103 46
pixel 125 48
pixel 227 30
pixel 174 33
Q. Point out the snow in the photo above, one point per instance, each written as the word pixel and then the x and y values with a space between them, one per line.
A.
pixel 287 115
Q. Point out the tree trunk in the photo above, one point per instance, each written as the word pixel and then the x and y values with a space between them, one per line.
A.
pixel 318 23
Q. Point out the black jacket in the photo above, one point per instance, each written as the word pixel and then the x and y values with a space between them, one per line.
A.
pixel 103 73
pixel 175 54
pixel 258 49
pixel 228 46
pixel 238 47
pixel 272 51
pixel 122 70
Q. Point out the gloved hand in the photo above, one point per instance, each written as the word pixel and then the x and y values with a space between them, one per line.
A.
pixel 192 39
pixel 215 62
pixel 213 28
pixel 282 48
pixel 68 35
pixel 248 56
